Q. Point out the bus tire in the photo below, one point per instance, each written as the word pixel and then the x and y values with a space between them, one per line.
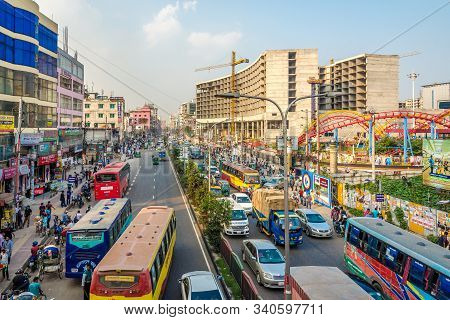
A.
pixel 275 242
pixel 378 288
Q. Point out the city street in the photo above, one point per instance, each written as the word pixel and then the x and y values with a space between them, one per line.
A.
pixel 150 185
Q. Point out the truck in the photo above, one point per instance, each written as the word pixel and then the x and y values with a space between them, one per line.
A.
pixel 268 209
pixel 324 283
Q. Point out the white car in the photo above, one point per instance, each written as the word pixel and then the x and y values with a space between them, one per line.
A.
pixel 244 201
pixel 238 225
pixel 200 285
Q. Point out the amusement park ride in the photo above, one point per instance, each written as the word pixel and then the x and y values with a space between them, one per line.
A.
pixel 385 123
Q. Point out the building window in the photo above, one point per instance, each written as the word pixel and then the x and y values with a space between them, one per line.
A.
pixel 291 86
pixel 292 70
pixel 65 102
pixel 87 115
pixel 100 106
pixel 47 65
pixel 77 105
pixel 26 23
pixel 95 125
pixel 274 124
pixel 291 78
pixel 88 125
pixel 291 93
pixel 65 83
pixel 291 55
pixel 293 108
pixel 48 39
pixel 25 53
pixel 47 90
pixel 291 63
pixel 100 115
pixel 112 106
pixel 87 106
pixel 7 14
pixel 6 48
pixel 112 116
pixel 6 81
pixel 77 87
pixel 113 125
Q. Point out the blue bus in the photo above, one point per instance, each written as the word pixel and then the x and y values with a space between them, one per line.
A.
pixel 89 239
pixel 162 155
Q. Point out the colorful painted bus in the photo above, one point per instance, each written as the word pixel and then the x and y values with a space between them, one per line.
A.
pixel 240 177
pixel 112 181
pixel 397 263
pixel 137 266
pixel 89 239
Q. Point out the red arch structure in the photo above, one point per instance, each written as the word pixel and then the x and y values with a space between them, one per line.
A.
pixel 340 119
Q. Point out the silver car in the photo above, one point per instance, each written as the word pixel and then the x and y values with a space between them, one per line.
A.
pixel 314 224
pixel 266 261
pixel 200 285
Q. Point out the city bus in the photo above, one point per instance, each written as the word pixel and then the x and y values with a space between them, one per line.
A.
pixel 397 263
pixel 137 266
pixel 240 177
pixel 162 155
pixel 112 181
pixel 89 239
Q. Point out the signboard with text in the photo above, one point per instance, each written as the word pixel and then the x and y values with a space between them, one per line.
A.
pixel 436 156
pixel 6 123
pixel 322 190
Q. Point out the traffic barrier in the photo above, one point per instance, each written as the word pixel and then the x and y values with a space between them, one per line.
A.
pixel 236 268
pixel 248 288
pixel 226 250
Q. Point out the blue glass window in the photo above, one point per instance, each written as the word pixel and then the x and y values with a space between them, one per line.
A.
pixel 25 23
pixel 25 53
pixel 48 39
pixel 47 65
pixel 6 48
pixel 7 14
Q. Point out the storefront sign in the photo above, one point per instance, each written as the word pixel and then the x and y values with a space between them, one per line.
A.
pixel 24 169
pixel 31 139
pixel 119 111
pixel 9 173
pixel 322 190
pixel 50 135
pixel 44 148
pixel 38 191
pixel 70 132
pixel 6 123
pixel 42 161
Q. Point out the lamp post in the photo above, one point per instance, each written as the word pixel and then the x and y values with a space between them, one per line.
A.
pixel 209 150
pixel 413 76
pixel 237 95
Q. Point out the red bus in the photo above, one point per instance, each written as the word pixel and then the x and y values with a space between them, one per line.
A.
pixel 112 181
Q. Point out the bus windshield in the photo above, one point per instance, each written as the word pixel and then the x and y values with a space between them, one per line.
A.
pixel 251 179
pixel 86 236
pixel 105 177
pixel 238 215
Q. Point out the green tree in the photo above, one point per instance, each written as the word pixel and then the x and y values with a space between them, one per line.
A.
pixel 214 215
pixel 386 144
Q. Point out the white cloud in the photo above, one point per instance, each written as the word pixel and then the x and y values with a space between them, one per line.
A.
pixel 164 25
pixel 209 40
pixel 190 5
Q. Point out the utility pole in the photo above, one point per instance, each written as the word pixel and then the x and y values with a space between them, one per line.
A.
pixel 315 109
pixel 318 140
pixel 307 138
pixel 413 76
pixel 19 129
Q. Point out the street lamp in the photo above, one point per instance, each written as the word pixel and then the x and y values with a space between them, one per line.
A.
pixel 209 151
pixel 237 95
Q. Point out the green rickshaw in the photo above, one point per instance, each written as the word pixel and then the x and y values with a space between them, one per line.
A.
pixel 155 160
pixel 216 191
pixel 137 154
pixel 224 187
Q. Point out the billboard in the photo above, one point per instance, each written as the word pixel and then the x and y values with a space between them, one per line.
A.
pixel 6 123
pixel 436 158
pixel 322 190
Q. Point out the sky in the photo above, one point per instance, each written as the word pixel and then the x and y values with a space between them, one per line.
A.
pixel 158 44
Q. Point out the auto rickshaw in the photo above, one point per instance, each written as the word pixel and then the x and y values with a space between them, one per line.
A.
pixel 201 167
pixel 137 154
pixel 155 160
pixel 215 190
pixel 224 187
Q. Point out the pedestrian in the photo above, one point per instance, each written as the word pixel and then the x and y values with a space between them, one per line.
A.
pixel 2 240
pixel 4 264
pixel 86 281
pixel 367 212
pixel 65 218
pixel 443 240
pixel 375 212
pixel 69 197
pixel 308 201
pixel 8 247
pixel 27 216
pixel 62 198
pixel 19 218
pixel 49 207
pixel 77 217
pixel 48 214
pixel 41 209
pixel 76 179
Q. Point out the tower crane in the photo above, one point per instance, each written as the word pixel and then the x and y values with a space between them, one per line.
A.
pixel 232 64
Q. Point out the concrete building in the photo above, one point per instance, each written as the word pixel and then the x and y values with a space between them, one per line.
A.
pixel 366 81
pixel 436 96
pixel 28 71
pixel 277 74
pixel 140 119
pixel 407 104
pixel 103 112
pixel 187 116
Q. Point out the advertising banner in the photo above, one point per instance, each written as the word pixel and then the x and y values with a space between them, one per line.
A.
pixel 31 139
pixel 322 190
pixel 119 111
pixel 6 123
pixel 47 159
pixel 307 180
pixel 436 156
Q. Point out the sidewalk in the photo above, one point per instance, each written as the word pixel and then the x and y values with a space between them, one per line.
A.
pixel 25 237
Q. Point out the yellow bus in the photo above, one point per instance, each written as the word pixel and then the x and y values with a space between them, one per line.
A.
pixel 240 177
pixel 138 264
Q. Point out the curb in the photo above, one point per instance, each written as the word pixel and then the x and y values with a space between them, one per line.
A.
pixel 204 241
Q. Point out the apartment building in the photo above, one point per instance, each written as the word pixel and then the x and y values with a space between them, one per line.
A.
pixel 436 96
pixel 141 118
pixel 281 75
pixel 103 112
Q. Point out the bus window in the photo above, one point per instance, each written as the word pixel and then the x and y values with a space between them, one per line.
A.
pixel 373 247
pixel 354 236
pixel 443 292
pixel 417 273
pixel 105 177
pixel 153 276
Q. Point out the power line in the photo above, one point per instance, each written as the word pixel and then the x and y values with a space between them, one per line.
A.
pixel 413 26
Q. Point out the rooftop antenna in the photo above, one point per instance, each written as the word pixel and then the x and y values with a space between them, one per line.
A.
pixel 66 39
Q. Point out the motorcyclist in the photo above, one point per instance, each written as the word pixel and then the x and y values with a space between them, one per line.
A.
pixel 341 222
pixel 20 281
pixel 35 287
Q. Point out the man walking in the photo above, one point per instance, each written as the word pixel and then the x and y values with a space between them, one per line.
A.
pixel 27 215
pixel 86 281
pixel 4 263
pixel 9 247
pixel 62 199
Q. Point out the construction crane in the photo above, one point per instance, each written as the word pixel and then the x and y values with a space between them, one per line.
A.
pixel 409 54
pixel 233 65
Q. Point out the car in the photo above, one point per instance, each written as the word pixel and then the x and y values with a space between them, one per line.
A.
pixel 274 182
pixel 200 285
pixel 238 224
pixel 314 224
pixel 214 171
pixel 244 201
pixel 266 261
pixel 366 287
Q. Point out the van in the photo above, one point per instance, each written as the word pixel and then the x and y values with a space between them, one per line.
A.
pixel 238 225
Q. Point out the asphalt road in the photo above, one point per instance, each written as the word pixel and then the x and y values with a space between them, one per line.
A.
pixel 150 185
pixel 313 252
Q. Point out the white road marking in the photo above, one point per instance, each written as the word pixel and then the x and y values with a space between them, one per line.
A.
pixel 154 186
pixel 153 197
pixel 131 184
pixel 190 217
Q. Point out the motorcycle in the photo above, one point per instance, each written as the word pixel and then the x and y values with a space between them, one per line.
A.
pixel 79 201
pixel 339 228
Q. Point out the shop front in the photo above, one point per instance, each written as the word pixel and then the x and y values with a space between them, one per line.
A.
pixel 45 173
